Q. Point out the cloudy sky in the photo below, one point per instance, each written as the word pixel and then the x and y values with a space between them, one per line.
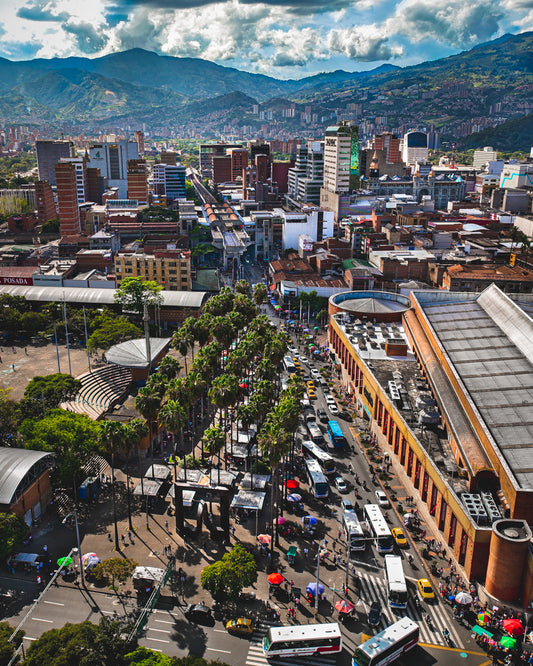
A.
pixel 282 38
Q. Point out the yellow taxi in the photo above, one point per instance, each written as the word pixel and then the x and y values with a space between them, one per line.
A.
pixel 296 362
pixel 311 394
pixel 311 384
pixel 425 589
pixel 399 537
pixel 243 626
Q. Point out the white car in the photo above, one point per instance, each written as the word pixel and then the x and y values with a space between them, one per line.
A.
pixel 333 409
pixel 330 400
pixel 340 484
pixel 315 373
pixel 292 350
pixel 382 499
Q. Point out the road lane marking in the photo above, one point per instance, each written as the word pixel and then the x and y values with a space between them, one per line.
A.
pixel 167 622
pixel 107 612
pixel 215 650
pixel 161 631
pixel 54 603
pixel 157 640
pixel 29 638
pixel 220 631
pixel 38 619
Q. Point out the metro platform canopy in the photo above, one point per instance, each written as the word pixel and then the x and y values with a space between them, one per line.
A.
pixel 488 339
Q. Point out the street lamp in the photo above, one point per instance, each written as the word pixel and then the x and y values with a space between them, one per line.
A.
pixel 65 520
pixel 317 578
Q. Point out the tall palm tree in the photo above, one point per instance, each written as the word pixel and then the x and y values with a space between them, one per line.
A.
pixel 136 429
pixel 214 440
pixel 223 394
pixel 169 367
pixel 196 386
pixel 173 416
pixel 112 436
pixel 148 403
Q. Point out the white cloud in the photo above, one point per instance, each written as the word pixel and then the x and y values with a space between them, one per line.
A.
pixel 366 43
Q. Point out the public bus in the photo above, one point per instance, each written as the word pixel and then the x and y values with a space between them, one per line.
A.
pixel 316 479
pixel 379 528
pixel 288 364
pixel 335 434
pixel 302 640
pixel 388 645
pixel 353 531
pixel 315 433
pixel 312 450
pixel 396 586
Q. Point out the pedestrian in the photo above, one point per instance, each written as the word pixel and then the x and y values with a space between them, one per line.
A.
pixel 26 350
pixel 45 548
pixel 306 552
pixel 123 538
pixel 13 367
pixel 166 525
pixel 38 580
pixel 233 531
pixel 339 534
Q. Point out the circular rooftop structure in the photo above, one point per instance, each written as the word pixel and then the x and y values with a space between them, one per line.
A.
pixel 379 305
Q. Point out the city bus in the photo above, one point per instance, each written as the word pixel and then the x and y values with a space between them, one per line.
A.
pixel 302 640
pixel 315 433
pixel 379 528
pixel 335 434
pixel 396 586
pixel 353 531
pixel 312 450
pixel 316 479
pixel 288 364
pixel 388 645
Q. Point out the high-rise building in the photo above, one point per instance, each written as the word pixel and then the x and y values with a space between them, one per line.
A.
pixel 221 169
pixel 137 181
pixel 307 176
pixel 112 160
pixel 482 157
pixel 48 155
pixel 341 158
pixel 415 148
pixel 239 161
pixel 207 151
pixel 95 185
pixel 67 198
pixel 169 181
pixel 390 144
pixel 169 268
pixel 169 157
pixel 81 176
pixel 46 207
pixel 139 139
pixel 262 167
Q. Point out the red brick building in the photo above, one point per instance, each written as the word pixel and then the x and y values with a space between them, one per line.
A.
pixel 67 199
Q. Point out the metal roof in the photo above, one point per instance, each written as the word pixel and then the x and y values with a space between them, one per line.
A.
pixel 132 353
pixel 489 340
pixel 15 465
pixel 171 299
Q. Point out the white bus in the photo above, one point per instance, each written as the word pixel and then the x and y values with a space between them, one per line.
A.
pixel 312 450
pixel 353 531
pixel 379 528
pixel 317 481
pixel 288 364
pixel 396 587
pixel 388 645
pixel 315 432
pixel 302 640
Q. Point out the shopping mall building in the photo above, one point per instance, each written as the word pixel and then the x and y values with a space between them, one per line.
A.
pixel 445 380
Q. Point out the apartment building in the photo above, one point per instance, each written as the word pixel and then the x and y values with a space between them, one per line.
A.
pixel 169 268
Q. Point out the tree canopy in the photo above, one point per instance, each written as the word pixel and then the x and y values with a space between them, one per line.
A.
pixel 13 530
pixel 47 392
pixel 112 331
pixel 135 292
pixel 226 578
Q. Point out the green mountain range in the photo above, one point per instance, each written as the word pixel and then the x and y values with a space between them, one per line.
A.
pixel 493 79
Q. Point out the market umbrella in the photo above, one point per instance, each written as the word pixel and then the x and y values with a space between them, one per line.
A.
pixel 294 497
pixel 317 328
pixel 513 626
pixel 451 598
pixel 310 520
pixel 324 552
pixel 292 484
pixel 508 642
pixel 65 561
pixel 484 617
pixel 275 579
pixel 264 538
pixel 91 561
pixel 87 556
pixel 311 588
pixel 344 606
pixel 463 598
pixel 280 521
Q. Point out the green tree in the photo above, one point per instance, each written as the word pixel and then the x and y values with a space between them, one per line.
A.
pixel 44 393
pixel 143 656
pixel 195 661
pixel 260 293
pixel 10 417
pixel 72 437
pixel 13 530
pixel 7 649
pixel 169 367
pixel 136 292
pixel 115 569
pixel 226 578
pixel 112 438
pixel 112 331
pixel 243 287
pixel 148 402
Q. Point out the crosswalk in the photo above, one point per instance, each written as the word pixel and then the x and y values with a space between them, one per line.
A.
pixel 372 588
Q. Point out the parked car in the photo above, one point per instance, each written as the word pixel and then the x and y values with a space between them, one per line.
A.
pixel 340 484
pixel 292 350
pixel 315 373
pixel 425 589
pixel 333 409
pixel 399 537
pixel 374 614
pixel 322 415
pixel 242 626
pixel 311 384
pixel 345 415
pixel 199 613
pixel 382 499
pixel 311 394
pixel 330 400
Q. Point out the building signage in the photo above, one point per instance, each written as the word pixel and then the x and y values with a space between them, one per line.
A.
pixel 368 396
pixel 17 281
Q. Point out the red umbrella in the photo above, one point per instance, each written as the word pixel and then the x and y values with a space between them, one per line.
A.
pixel 275 579
pixel 513 627
pixel 292 484
pixel 344 606
pixel 280 521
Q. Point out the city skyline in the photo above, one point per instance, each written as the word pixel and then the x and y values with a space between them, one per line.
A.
pixel 282 39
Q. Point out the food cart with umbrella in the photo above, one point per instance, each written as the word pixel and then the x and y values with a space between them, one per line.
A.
pixel 484 618
pixel 291 554
pixel 346 608
pixel 463 598
pixel 265 539
pixel 275 579
pixel 309 522
pixel 508 642
pixel 280 520
pixel 89 561
pixel 292 484
pixel 294 497
pixel 312 589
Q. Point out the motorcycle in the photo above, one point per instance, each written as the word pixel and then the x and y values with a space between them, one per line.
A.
pixel 447 636
pixel 417 604
pixel 410 559
pixel 429 622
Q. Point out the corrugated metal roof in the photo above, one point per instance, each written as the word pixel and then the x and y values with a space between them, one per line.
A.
pixel 171 299
pixel 14 465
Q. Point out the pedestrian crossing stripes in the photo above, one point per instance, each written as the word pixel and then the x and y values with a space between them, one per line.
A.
pixel 373 589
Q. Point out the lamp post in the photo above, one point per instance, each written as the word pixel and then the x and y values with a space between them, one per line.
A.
pixel 65 519
pixel 317 577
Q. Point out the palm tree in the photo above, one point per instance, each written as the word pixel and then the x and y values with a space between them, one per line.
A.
pixel 260 293
pixel 112 436
pixel 213 440
pixel 173 416
pixel 169 367
pixel 136 429
pixel 148 403
pixel 223 393
pixel 196 385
